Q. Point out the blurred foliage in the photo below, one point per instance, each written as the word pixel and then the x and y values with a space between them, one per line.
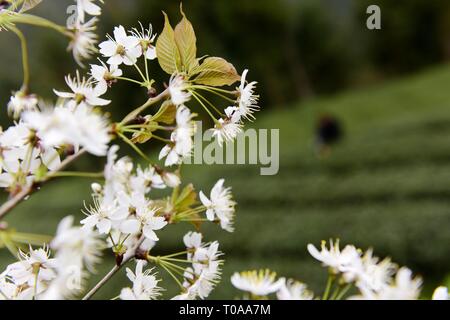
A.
pixel 295 49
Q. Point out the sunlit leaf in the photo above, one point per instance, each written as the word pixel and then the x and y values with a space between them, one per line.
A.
pixel 215 71
pixel 141 137
pixel 186 198
pixel 186 42
pixel 167 50
pixel 29 4
pixel 166 114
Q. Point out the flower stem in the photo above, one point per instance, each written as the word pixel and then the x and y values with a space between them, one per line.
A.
pixel 172 275
pixel 140 72
pixel 113 271
pixel 133 114
pixel 76 174
pixel 175 254
pixel 13 202
pixel 142 84
pixel 176 260
pixel 132 145
pixel 204 107
pixel 40 22
pixel 25 64
pixel 100 284
pixel 146 68
pixel 328 288
pixel 344 291
pixel 210 104
pixel 161 139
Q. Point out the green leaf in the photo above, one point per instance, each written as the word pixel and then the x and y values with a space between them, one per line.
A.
pixel 166 49
pixel 142 137
pixel 215 71
pixel 145 133
pixel 186 42
pixel 29 4
pixel 166 114
pixel 186 198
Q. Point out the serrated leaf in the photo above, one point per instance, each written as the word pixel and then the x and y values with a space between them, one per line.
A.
pixel 186 42
pixel 29 4
pixel 186 198
pixel 167 49
pixel 166 114
pixel 215 71
pixel 141 137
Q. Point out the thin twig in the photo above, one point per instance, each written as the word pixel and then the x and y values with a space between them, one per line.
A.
pixel 112 272
pixel 11 203
pixel 133 114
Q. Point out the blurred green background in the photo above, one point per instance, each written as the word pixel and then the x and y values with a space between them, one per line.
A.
pixel 385 185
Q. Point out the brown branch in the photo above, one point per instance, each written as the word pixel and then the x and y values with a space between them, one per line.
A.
pixel 113 271
pixel 14 201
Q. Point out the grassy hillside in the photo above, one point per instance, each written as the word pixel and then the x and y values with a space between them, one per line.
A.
pixel 387 185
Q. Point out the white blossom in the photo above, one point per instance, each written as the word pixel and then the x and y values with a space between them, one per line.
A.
pixel 202 277
pixel 87 6
pixel 84 40
pixel 145 284
pixel 146 39
pixel 227 129
pixel 220 204
pixel 441 293
pixel 178 89
pixel 20 102
pixel 21 155
pixel 192 240
pixel 171 179
pixel 259 283
pixel 104 75
pixel 247 100
pixel 345 261
pixel 294 290
pixel 402 287
pixel 103 214
pixel 181 138
pixel 76 246
pixel 144 217
pixel 122 48
pixel 146 179
pixel 376 274
pixel 83 92
pixel 80 127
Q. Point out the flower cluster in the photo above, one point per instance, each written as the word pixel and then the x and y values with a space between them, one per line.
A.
pixel 125 216
pixel 375 279
pixel 38 276
pixel 121 207
pixel 227 128
pixel 200 279
pixel 83 36
pixel 145 284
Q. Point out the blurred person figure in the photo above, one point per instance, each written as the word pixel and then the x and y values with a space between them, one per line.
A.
pixel 328 132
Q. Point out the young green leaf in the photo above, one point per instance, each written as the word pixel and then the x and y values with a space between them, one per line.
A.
pixel 142 137
pixel 166 114
pixel 215 71
pixel 187 43
pixel 167 50
pixel 186 198
pixel 29 4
